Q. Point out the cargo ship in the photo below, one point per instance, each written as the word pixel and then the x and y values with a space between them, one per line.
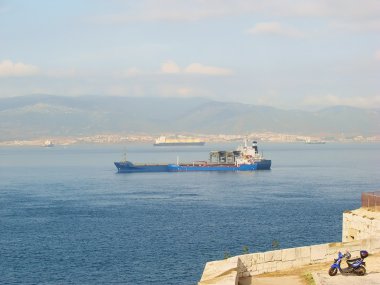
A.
pixel 245 158
pixel 163 141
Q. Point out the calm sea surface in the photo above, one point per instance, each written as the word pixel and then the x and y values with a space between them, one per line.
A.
pixel 67 217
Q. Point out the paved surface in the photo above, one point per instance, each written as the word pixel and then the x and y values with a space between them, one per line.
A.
pixel 371 278
pixel 322 278
pixel 284 280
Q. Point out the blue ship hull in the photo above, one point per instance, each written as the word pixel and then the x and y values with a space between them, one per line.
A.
pixel 128 167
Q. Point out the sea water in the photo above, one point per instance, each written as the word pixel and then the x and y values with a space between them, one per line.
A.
pixel 67 217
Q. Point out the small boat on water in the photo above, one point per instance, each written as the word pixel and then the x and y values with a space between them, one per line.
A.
pixel 245 158
pixel 48 143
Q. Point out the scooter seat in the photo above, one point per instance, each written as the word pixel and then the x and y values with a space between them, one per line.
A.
pixel 352 261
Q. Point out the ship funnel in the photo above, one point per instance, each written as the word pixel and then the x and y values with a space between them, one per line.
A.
pixel 254 146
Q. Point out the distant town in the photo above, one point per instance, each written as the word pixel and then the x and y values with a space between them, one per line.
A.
pixel 209 138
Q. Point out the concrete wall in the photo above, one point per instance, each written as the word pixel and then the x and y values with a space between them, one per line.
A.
pixel 361 230
pixel 270 261
pixel 360 224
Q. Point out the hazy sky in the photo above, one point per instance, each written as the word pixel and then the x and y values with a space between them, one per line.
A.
pixel 290 54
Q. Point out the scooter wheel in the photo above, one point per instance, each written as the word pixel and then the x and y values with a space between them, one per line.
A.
pixel 333 271
pixel 360 271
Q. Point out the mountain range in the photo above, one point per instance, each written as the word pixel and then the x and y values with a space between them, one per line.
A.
pixel 47 115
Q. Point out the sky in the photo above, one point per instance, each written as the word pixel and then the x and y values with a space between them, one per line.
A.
pixel 290 54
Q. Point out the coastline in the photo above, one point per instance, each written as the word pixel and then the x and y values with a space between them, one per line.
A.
pixel 208 138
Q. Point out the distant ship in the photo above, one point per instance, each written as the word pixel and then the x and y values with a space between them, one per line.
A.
pixel 163 141
pixel 245 158
pixel 309 141
pixel 48 143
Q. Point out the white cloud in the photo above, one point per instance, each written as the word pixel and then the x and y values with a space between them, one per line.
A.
pixel 170 67
pixel 198 68
pixel 333 100
pixel 274 28
pixel 10 69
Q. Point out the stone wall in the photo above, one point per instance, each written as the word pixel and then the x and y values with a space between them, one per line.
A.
pixel 270 261
pixel 360 224
pixel 228 271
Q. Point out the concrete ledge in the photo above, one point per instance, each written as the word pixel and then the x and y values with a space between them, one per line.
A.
pixel 222 272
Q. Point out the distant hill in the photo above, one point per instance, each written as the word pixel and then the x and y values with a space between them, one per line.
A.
pixel 44 115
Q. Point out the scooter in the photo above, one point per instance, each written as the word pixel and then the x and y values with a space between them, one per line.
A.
pixel 355 266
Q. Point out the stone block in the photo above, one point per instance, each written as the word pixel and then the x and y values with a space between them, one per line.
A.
pixel 253 268
pixel 254 257
pixel 269 256
pixel 318 252
pixel 245 259
pixel 376 224
pixel 220 272
pixel 353 233
pixel 288 254
pixel 230 278
pixel 302 252
pixel 374 244
pixel 268 266
pixel 260 257
pixel 365 243
pixel 278 255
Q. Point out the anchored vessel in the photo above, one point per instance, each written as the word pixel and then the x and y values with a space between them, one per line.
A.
pixel 163 141
pixel 48 143
pixel 245 158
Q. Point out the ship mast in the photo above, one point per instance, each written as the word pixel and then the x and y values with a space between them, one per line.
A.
pixel 125 154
